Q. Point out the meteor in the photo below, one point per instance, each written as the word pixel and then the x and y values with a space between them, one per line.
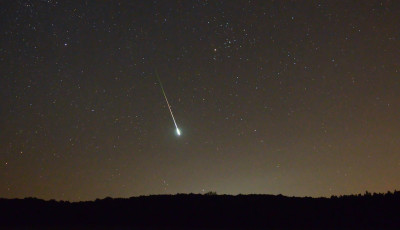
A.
pixel 178 132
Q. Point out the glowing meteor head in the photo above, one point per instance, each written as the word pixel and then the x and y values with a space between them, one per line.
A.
pixel 178 132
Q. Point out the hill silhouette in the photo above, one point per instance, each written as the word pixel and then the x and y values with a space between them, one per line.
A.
pixel 209 211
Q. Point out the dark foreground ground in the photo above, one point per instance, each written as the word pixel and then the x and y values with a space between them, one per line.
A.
pixel 378 211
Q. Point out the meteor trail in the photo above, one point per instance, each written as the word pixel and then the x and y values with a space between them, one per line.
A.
pixel 169 107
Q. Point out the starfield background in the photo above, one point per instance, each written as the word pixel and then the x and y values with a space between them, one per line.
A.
pixel 300 98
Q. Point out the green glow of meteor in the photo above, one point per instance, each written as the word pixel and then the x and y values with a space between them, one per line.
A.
pixel 178 132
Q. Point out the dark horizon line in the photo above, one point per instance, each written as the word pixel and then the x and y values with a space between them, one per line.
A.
pixel 212 193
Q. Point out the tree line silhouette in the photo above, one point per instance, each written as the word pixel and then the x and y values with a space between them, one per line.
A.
pixel 208 211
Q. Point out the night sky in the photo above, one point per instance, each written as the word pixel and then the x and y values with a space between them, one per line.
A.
pixel 277 97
